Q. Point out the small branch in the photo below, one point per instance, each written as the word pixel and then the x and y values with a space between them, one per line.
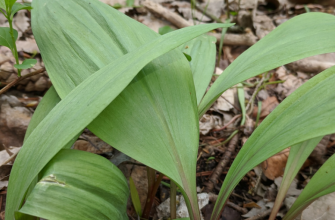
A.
pixel 230 122
pixel 14 82
pixel 222 164
pixel 228 139
pixel 205 12
pixel 170 16
pixel 213 198
pixel 247 39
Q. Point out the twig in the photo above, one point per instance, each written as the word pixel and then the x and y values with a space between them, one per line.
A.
pixel 170 16
pixel 228 139
pixel 222 164
pixel 237 108
pixel 213 17
pixel 89 141
pixel 213 198
pixel 12 157
pixel 247 39
pixel 14 82
pixel 229 123
pixel 251 102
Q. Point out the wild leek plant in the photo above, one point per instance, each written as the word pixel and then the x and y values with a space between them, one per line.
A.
pixel 135 91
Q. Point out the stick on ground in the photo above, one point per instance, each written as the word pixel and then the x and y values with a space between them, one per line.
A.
pixel 225 159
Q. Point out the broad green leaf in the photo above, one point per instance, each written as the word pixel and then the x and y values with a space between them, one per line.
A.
pixel 17 7
pixel 26 64
pixel 10 3
pixel 79 185
pixel 322 183
pixel 6 38
pixel 3 4
pixel 164 30
pixel 306 114
pixel 148 108
pixel 48 102
pixel 135 197
pixel 302 36
pixel 297 157
pixel 203 52
pixel 85 103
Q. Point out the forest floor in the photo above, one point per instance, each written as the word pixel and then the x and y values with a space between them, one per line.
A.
pixel 255 194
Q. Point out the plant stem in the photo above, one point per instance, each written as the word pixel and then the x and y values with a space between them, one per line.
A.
pixel 14 50
pixel 173 201
pixel 150 199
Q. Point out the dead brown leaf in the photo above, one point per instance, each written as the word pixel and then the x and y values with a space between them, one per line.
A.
pixel 275 165
pixel 268 105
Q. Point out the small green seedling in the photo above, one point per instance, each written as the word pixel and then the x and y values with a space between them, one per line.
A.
pixel 8 36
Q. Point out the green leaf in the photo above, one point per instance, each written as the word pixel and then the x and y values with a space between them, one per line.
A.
pixel 307 113
pixel 134 197
pixel 17 7
pixel 93 95
pixel 164 30
pixel 10 3
pixel 321 184
pixel 130 3
pixel 241 99
pixel 297 157
pixel 188 57
pixel 162 126
pixel 203 51
pixel 302 36
pixel 48 102
pixel 26 64
pixel 90 183
pixel 117 6
pixel 3 4
pixel 6 38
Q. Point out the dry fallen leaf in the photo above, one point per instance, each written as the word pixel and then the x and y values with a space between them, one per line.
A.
pixel 268 105
pixel 208 122
pixel 321 209
pixel 28 45
pixel 139 175
pixel 225 101
pixel 275 165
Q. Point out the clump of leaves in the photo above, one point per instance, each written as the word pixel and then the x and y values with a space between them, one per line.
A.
pixel 135 91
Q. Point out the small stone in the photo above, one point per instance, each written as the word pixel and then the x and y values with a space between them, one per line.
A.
pixel 13 124
pixel 30 87
pixel 36 77
pixel 4 75
pixel 41 84
pixel 11 78
pixel 8 67
pixel 11 100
